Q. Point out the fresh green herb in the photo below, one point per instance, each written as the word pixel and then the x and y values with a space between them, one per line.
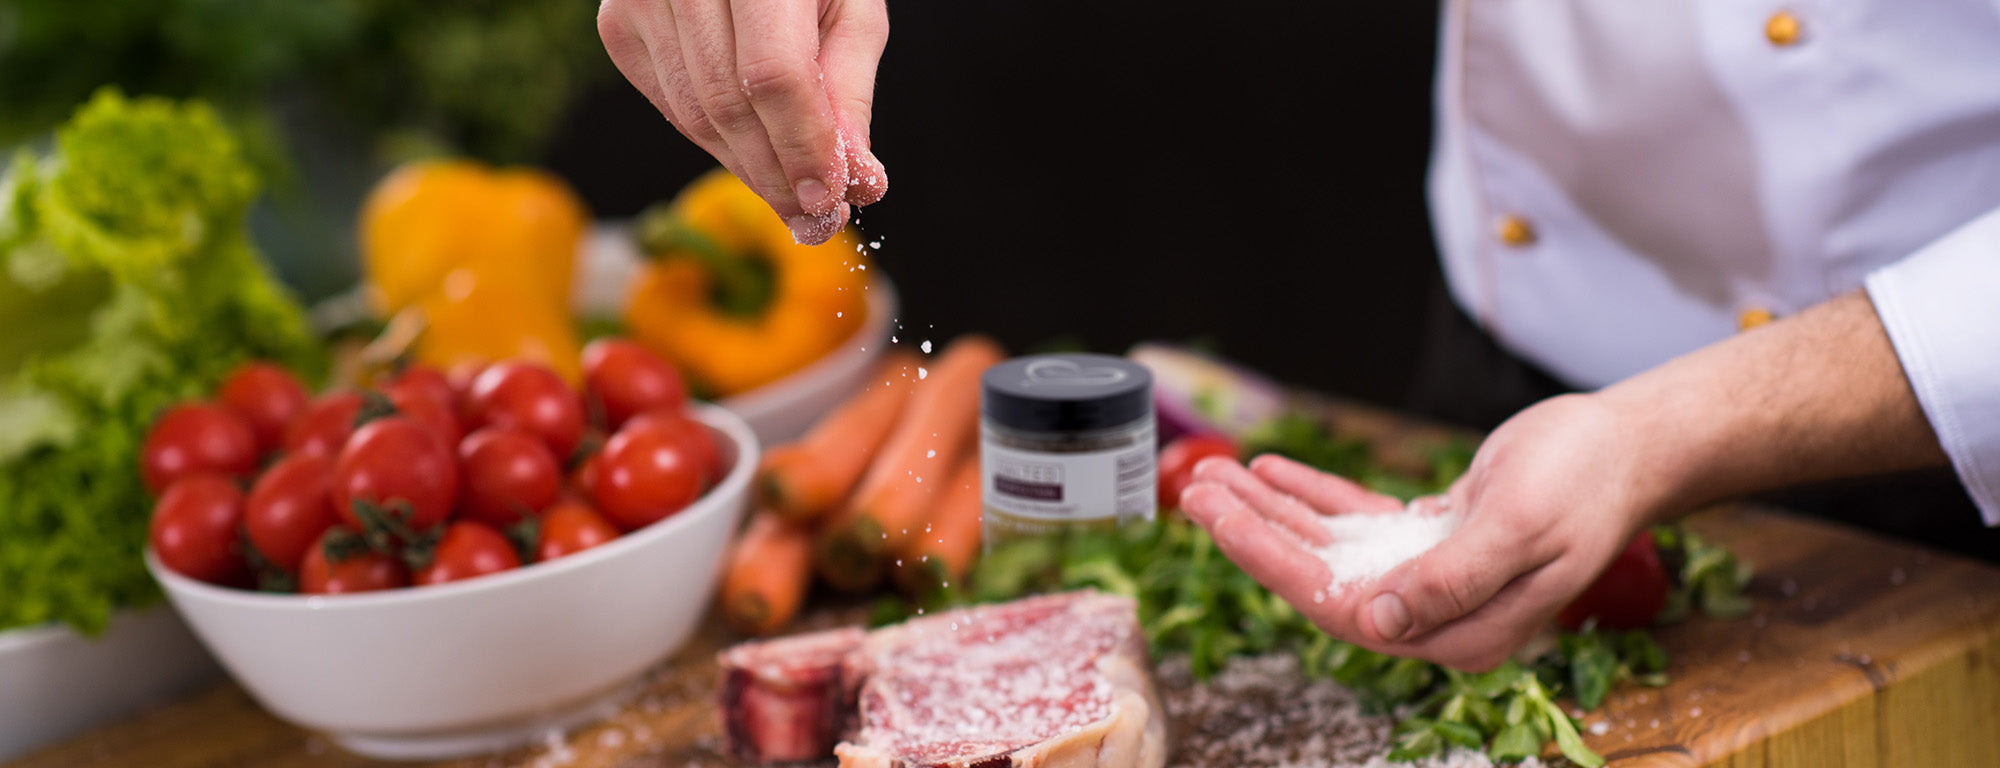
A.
pixel 1706 577
pixel 1310 440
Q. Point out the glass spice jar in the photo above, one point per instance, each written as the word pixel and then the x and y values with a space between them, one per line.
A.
pixel 1066 441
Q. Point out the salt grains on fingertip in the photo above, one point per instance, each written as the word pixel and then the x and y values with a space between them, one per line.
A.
pixel 1365 546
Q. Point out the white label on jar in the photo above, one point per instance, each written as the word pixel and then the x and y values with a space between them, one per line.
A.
pixel 1093 485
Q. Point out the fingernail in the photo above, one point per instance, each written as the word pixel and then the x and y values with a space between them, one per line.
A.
pixel 1208 506
pixel 1392 618
pixel 808 229
pixel 1208 466
pixel 812 194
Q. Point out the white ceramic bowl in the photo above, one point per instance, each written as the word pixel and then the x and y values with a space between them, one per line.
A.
pixel 607 263
pixel 55 683
pixel 487 663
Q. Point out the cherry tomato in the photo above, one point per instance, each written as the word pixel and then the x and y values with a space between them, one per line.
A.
pixel 583 479
pixel 648 474
pixel 1177 462
pixel 529 397
pixel 362 571
pixel 422 380
pixel 691 433
pixel 505 475
pixel 197 438
pixel 424 408
pixel 569 527
pixel 623 379
pixel 1627 595
pixel 194 529
pixel 268 397
pixel 460 377
pixel 397 465
pixel 325 424
pixel 289 508
pixel 468 549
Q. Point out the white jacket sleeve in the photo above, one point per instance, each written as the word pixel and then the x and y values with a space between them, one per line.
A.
pixel 1941 306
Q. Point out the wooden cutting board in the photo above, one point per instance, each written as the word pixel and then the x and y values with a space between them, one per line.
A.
pixel 1862 652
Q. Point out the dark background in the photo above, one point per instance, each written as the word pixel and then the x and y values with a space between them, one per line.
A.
pixel 1100 173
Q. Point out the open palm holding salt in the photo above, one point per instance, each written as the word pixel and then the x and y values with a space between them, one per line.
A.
pixel 1461 579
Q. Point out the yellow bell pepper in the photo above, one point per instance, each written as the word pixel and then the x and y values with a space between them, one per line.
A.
pixel 731 298
pixel 483 256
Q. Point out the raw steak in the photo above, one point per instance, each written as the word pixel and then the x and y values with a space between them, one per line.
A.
pixel 1057 680
pixel 791 698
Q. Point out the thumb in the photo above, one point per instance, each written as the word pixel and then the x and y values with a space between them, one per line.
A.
pixel 1450 580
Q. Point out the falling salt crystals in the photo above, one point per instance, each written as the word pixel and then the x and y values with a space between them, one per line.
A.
pixel 1600 728
pixel 1366 546
pixel 922 371
pixel 926 347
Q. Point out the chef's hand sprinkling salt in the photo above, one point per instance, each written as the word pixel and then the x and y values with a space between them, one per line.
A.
pixel 1461 579
pixel 780 93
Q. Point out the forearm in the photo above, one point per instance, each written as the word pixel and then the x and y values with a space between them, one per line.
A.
pixel 1816 396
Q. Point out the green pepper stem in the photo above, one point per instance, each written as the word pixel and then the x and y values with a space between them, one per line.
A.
pixel 741 285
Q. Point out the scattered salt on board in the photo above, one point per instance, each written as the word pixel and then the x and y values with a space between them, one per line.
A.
pixel 1366 546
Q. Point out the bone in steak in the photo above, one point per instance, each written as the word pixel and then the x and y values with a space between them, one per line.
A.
pixel 788 699
pixel 1056 680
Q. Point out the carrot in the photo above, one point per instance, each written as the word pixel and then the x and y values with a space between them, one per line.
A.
pixel 804 479
pixel 940 421
pixel 943 552
pixel 842 560
pixel 767 574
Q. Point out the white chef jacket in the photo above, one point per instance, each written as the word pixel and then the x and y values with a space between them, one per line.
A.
pixel 1617 182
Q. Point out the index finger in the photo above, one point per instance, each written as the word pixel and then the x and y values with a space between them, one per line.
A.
pixel 1275 559
pixel 1329 493
pixel 777 55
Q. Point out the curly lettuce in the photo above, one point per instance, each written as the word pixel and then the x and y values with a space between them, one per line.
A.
pixel 128 282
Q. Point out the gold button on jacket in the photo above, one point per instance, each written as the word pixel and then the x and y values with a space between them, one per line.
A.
pixel 1516 231
pixel 1783 29
pixel 1753 317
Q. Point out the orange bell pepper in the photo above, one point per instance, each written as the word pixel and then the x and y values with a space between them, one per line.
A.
pixel 484 256
pixel 731 298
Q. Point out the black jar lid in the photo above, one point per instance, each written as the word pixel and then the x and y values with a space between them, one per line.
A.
pixel 1066 393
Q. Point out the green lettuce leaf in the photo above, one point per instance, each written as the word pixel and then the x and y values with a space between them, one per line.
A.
pixel 125 262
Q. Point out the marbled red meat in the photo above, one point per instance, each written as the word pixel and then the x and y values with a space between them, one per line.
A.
pixel 1043 681
pixel 788 699
pixel 1058 679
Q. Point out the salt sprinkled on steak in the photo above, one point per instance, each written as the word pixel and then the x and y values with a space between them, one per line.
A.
pixel 1008 684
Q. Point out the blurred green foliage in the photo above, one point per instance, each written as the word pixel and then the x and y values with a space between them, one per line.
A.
pixel 489 78
pixel 323 95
